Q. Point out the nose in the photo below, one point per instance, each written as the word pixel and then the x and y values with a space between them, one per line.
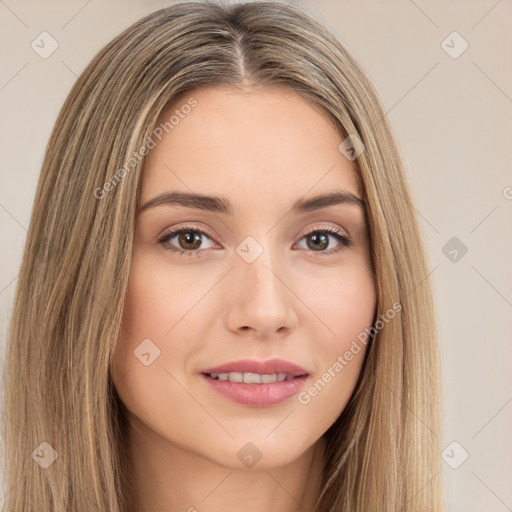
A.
pixel 261 301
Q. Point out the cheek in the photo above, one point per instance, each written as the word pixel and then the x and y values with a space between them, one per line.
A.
pixel 346 309
pixel 147 369
pixel 158 301
pixel 155 308
pixel 344 302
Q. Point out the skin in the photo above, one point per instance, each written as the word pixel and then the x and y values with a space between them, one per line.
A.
pixel 262 149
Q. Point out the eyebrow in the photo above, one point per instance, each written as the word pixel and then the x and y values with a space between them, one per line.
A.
pixel 220 204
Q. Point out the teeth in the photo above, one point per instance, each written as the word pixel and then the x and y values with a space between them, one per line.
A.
pixel 251 378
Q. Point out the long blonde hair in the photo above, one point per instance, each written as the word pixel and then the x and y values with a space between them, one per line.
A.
pixel 384 450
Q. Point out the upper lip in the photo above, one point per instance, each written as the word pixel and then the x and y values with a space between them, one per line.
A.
pixel 261 367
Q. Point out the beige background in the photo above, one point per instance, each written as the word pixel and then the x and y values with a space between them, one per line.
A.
pixel 453 119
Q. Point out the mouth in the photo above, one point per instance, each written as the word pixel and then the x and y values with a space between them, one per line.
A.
pixel 254 378
pixel 256 383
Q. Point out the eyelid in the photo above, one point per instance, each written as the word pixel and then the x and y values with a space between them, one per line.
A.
pixel 326 227
pixel 187 226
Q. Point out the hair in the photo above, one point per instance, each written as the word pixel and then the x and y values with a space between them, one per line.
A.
pixel 383 452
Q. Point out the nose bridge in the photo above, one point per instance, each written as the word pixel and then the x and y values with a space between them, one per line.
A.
pixel 258 265
pixel 261 299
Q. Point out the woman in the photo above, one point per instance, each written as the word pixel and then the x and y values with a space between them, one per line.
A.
pixel 239 149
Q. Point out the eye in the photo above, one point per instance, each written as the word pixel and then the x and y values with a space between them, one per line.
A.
pixel 187 237
pixel 189 240
pixel 318 239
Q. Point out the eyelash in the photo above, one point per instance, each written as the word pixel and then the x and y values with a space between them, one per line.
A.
pixel 346 241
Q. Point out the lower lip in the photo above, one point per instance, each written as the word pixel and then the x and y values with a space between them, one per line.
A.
pixel 257 395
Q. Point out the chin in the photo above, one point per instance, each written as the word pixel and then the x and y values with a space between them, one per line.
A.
pixel 258 454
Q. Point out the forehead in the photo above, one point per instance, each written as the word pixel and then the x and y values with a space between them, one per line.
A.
pixel 267 143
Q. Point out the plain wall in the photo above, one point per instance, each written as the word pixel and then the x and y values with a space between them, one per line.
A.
pixel 453 120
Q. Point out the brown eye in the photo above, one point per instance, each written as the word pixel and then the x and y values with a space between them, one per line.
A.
pixel 318 240
pixel 189 241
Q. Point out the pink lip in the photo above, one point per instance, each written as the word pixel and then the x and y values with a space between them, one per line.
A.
pixel 262 367
pixel 258 395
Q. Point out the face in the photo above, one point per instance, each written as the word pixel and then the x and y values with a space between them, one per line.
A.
pixel 247 278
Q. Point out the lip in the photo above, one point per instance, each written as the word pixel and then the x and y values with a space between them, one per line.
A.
pixel 257 395
pixel 262 367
